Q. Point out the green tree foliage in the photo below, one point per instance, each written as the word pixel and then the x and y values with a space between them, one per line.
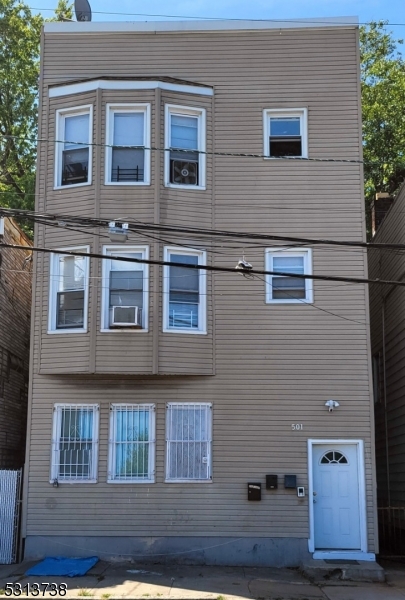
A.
pixel 383 94
pixel 19 71
pixel 63 11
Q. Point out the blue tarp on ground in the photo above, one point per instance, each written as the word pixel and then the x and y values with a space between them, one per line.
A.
pixel 60 566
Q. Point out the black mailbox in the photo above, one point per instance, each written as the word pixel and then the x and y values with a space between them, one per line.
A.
pixel 290 481
pixel 254 491
pixel 271 482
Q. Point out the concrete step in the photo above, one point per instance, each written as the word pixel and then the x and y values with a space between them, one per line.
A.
pixel 321 571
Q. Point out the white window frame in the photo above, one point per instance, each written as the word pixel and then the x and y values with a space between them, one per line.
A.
pixel 112 478
pixel 202 306
pixel 111 109
pixel 186 111
pixel 60 117
pixel 53 290
pixel 56 431
pixel 302 113
pixel 307 255
pixel 105 301
pixel 171 405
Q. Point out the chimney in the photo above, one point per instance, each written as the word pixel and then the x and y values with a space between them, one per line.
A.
pixel 379 208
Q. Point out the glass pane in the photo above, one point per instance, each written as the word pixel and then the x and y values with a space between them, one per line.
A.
pixel 285 147
pixel 119 265
pixel 288 264
pixel 71 273
pixel 127 164
pixel 132 443
pixel 184 132
pixel 76 131
pixel 75 443
pixel 182 278
pixel 285 126
pixel 128 129
pixel 126 298
pixel 70 309
pixel 288 288
pixel 75 166
pixel 126 280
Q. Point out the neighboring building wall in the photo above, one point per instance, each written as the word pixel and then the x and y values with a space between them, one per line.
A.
pixel 15 311
pixel 263 367
pixel 388 348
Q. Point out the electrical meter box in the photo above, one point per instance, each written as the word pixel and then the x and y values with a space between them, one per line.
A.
pixel 254 491
pixel 271 482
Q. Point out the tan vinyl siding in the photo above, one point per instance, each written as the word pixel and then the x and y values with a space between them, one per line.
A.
pixel 262 366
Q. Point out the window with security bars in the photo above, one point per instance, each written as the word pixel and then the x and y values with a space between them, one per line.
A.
pixel 285 288
pixel 73 153
pixel 68 291
pixel 184 288
pixel 75 443
pixel 125 289
pixel 185 139
pixel 128 154
pixel 188 442
pixel 132 443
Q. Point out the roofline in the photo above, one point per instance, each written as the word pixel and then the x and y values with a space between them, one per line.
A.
pixel 197 26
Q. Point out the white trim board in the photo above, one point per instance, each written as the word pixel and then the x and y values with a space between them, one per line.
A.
pixel 179 26
pixel 110 84
pixel 363 553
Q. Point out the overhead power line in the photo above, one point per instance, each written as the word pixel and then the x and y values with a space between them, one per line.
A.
pixel 164 263
pixel 137 226
pixel 302 20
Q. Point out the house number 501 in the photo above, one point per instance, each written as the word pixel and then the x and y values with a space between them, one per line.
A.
pixel 297 426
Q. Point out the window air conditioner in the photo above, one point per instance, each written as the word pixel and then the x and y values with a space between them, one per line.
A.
pixel 126 316
pixel 184 172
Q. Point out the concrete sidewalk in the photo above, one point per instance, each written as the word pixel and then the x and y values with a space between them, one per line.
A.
pixel 134 580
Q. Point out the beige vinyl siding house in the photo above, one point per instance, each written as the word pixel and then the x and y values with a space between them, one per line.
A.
pixel 235 375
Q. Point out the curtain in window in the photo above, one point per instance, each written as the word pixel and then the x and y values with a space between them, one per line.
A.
pixel 188 441
pixel 131 443
pixel 76 443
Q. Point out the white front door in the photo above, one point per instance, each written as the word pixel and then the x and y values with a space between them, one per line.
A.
pixel 336 497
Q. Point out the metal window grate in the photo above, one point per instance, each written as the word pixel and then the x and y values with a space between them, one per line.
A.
pixel 131 442
pixel 188 441
pixel 74 445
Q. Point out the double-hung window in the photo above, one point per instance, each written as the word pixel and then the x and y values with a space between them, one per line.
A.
pixel 188 441
pixel 184 291
pixel 128 153
pixel 132 443
pixel 285 133
pixel 285 288
pixel 125 289
pixel 75 443
pixel 68 292
pixel 185 144
pixel 73 149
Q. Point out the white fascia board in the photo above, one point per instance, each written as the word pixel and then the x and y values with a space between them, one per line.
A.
pixel 110 84
pixel 179 26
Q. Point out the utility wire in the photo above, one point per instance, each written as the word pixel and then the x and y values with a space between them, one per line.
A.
pixel 138 226
pixel 202 267
pixel 205 152
pixel 303 20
